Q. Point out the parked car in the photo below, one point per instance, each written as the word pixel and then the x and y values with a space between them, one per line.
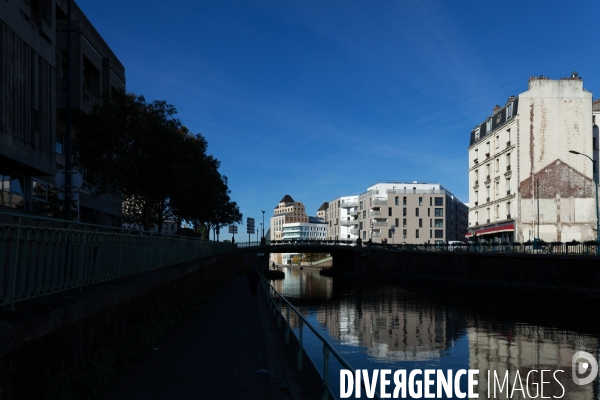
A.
pixel 456 245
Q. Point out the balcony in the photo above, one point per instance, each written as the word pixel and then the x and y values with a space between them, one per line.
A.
pixel 379 223
pixel 348 222
pixel 508 192
pixel 476 203
pixel 376 234
pixel 476 161
pixel 487 155
pixel 349 204
pixel 507 216
pixel 476 181
pixel 508 143
pixel 354 213
pixel 508 167
pixel 353 231
pixel 374 213
pixel 487 199
pixel 379 201
pixel 488 178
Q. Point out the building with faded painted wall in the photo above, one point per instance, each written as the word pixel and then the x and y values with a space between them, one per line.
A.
pixel 522 178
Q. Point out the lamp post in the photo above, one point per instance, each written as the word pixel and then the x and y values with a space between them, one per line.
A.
pixel 263 225
pixel 596 185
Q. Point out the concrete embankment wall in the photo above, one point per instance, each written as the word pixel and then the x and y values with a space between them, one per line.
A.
pixel 529 272
pixel 59 333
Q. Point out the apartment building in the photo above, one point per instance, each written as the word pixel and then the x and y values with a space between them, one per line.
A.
pixel 342 218
pixel 33 64
pixel 286 211
pixel 322 211
pixel 411 212
pixel 523 181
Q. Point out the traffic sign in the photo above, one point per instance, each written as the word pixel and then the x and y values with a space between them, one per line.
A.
pixel 233 229
pixel 76 179
pixel 250 225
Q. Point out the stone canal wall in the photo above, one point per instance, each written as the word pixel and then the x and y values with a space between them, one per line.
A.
pixel 529 272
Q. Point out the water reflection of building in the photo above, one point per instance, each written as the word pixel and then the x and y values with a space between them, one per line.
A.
pixel 525 348
pixel 391 325
pixel 307 286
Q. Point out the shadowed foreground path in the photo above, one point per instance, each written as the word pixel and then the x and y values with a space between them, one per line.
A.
pixel 230 349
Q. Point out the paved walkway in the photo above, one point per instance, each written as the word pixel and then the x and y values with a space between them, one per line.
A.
pixel 230 349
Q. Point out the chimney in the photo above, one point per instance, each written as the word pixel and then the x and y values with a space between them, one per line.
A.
pixel 496 109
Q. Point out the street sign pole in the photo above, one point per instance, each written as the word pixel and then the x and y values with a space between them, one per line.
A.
pixel 249 228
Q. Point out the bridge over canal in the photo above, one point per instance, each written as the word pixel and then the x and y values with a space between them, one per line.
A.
pixel 71 292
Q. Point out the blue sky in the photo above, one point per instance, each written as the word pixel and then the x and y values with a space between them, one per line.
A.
pixel 318 99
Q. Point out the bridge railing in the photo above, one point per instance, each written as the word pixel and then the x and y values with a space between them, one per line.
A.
pixel 590 248
pixel 50 256
pixel 278 303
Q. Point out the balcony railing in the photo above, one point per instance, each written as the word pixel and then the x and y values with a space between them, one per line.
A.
pixel 374 212
pixel 349 203
pixel 380 201
pixel 353 231
pixel 350 222
pixel 354 213
pixel 379 223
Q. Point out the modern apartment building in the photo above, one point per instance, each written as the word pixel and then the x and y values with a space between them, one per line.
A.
pixel 523 181
pixel 33 64
pixel 342 218
pixel 410 212
pixel 286 212
pixel 290 223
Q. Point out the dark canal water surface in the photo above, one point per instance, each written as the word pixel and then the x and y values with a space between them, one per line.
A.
pixel 377 324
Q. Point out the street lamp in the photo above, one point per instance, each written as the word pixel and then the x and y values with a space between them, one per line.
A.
pixel 263 224
pixel 596 185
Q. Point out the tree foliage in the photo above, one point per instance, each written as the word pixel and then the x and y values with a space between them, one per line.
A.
pixel 142 151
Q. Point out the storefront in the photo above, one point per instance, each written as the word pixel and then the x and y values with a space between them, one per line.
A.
pixel 500 233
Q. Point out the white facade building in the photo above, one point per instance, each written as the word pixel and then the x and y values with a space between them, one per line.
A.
pixel 523 182
pixel 342 218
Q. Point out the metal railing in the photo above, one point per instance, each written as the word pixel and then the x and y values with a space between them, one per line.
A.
pixel 565 249
pixel 277 303
pixel 44 256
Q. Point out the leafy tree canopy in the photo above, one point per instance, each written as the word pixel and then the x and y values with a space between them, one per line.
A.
pixel 142 151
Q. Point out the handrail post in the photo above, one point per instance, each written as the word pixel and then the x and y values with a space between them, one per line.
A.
pixel 81 260
pixel 287 331
pixel 279 314
pixel 325 372
pixel 300 349
pixel 15 264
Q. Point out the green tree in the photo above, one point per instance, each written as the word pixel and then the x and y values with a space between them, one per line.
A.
pixel 141 151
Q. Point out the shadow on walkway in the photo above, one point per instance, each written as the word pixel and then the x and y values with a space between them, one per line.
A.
pixel 230 349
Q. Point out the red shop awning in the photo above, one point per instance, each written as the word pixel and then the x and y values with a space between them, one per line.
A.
pixel 492 229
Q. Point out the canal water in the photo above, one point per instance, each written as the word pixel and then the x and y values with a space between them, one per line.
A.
pixel 380 325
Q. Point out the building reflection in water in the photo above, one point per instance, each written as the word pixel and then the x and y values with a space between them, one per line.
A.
pixel 391 327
